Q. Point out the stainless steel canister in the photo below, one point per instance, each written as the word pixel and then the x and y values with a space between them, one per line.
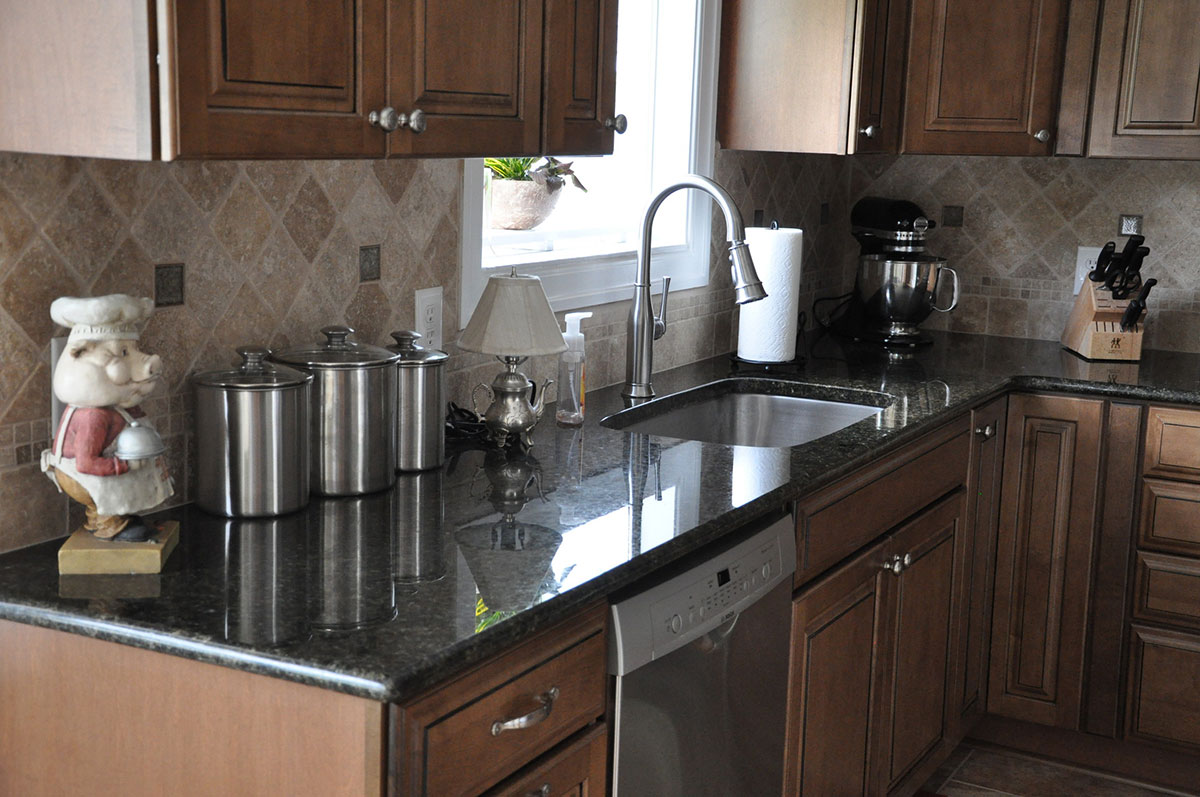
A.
pixel 252 444
pixel 353 412
pixel 420 425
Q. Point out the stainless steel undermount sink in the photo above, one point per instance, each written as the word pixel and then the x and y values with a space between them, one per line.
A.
pixel 750 411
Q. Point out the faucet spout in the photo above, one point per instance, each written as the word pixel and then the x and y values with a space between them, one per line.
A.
pixel 747 287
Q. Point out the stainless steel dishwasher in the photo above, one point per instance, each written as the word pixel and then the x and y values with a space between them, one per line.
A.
pixel 701 666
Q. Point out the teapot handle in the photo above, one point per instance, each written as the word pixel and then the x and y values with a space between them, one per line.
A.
pixel 475 401
pixel 953 296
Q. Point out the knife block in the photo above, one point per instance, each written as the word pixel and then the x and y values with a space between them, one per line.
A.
pixel 1093 330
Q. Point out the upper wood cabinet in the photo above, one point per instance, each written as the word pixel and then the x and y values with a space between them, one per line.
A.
pixel 263 79
pixel 811 75
pixel 1146 97
pixel 1044 559
pixel 309 79
pixel 983 78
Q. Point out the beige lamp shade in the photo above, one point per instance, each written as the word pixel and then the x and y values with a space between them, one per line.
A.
pixel 513 318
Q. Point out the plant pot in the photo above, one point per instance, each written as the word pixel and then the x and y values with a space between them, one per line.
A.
pixel 522 204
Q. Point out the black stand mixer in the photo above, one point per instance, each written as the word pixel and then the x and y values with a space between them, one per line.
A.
pixel 896 283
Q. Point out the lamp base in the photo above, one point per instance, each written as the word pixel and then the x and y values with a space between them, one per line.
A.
pixel 515 409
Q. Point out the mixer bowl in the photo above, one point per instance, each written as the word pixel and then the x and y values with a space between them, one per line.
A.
pixel 898 294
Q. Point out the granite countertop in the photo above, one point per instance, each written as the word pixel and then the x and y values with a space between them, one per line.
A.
pixel 385 595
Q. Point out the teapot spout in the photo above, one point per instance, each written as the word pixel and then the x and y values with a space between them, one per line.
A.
pixel 539 403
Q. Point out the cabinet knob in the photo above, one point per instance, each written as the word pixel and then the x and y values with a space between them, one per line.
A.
pixel 986 432
pixel 869 131
pixel 389 120
pixel 618 124
pixel 1042 135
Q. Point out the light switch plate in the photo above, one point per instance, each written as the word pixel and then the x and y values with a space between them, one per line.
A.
pixel 1085 261
pixel 428 315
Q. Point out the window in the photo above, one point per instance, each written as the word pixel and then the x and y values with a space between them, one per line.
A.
pixel 585 253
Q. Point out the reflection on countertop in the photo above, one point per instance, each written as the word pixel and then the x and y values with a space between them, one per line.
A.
pixel 384 595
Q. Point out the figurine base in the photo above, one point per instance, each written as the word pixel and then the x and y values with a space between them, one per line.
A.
pixel 84 554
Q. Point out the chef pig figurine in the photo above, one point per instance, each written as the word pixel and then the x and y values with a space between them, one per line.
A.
pixel 102 376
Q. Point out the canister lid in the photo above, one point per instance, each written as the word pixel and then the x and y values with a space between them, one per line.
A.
pixel 336 352
pixel 255 373
pixel 411 353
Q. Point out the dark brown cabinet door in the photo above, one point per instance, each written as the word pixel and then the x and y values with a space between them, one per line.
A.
pixel 1147 93
pixel 474 68
pixel 881 76
pixel 581 71
pixel 1044 558
pixel 1164 688
pixel 261 79
pixel 983 78
pixel 837 633
pixel 923 601
pixel 983 514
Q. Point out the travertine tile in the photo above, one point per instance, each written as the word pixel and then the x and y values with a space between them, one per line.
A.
pixel 310 218
pixel 38 278
pixel 243 223
pixel 207 182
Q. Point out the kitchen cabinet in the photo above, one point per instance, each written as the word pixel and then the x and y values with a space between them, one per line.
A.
pixel 983 78
pixel 505 714
pixel 252 79
pixel 86 716
pixel 1147 80
pixel 983 514
pixel 1164 669
pixel 875 649
pixel 811 76
pixel 1044 558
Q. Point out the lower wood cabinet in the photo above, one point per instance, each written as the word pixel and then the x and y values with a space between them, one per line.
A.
pixel 876 647
pixel 1044 558
pixel 1164 688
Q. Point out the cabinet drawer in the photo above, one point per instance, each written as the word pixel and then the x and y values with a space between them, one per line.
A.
pixel 454 740
pixel 578 769
pixel 1173 444
pixel 1164 688
pixel 1170 517
pixel 1167 589
pixel 838 521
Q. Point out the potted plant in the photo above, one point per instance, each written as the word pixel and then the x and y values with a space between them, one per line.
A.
pixel 523 196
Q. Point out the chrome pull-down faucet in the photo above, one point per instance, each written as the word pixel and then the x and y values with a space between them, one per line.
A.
pixel 644 328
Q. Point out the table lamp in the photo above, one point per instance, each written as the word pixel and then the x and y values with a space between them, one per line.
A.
pixel 512 321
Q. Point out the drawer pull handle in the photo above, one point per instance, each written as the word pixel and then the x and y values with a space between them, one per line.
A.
pixel 542 792
pixel 534 717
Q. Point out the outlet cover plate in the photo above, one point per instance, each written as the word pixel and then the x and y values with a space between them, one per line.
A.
pixel 428 317
pixel 1085 261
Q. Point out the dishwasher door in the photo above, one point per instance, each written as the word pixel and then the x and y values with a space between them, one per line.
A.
pixel 704 713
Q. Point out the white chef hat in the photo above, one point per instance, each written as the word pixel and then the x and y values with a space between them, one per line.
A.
pixel 113 317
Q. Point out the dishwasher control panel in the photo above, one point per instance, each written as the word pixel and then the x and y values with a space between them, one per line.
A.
pixel 675 612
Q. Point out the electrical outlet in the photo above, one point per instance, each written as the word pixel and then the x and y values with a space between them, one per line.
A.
pixel 1085 262
pixel 428 314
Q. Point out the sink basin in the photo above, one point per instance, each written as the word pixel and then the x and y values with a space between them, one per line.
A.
pixel 742 411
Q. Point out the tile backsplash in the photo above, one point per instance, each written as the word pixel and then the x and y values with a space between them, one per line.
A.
pixel 272 251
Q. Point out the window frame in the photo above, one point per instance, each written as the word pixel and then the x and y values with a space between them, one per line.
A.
pixel 589 280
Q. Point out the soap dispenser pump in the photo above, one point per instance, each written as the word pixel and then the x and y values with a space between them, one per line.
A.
pixel 571 373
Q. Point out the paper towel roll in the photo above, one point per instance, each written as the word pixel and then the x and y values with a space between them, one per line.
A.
pixel 767 328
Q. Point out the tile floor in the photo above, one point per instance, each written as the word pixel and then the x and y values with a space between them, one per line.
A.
pixel 986 772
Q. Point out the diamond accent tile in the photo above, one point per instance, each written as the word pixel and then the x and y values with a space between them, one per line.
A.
pixel 243 224
pixel 85 229
pixel 39 278
pixel 310 218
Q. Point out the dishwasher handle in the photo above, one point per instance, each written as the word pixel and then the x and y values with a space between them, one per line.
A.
pixel 535 717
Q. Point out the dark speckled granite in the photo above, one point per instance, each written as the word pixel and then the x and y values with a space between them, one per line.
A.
pixel 378 596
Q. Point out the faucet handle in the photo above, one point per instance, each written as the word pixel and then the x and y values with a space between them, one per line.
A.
pixel 660 320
